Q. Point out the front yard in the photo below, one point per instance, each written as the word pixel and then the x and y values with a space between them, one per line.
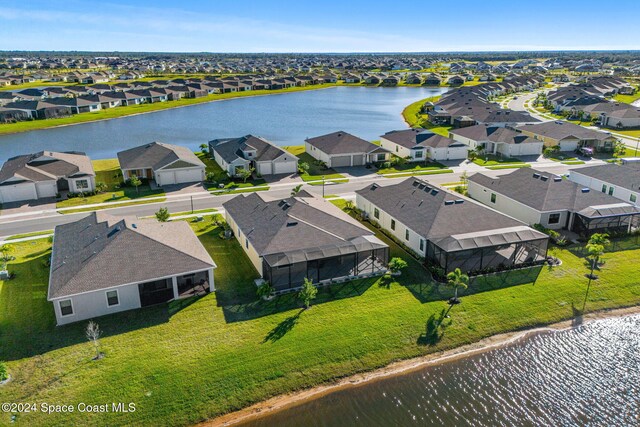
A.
pixel 108 172
pixel 228 185
pixel 491 160
pixel 316 171
pixel 186 361
pixel 415 168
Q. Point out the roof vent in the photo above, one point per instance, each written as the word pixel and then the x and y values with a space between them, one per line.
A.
pixel 421 186
pixel 459 201
pixel 374 186
pixel 415 183
pixel 585 190
pixel 449 202
pixel 292 223
pixel 544 178
pixel 434 192
pixel 134 226
pixel 557 178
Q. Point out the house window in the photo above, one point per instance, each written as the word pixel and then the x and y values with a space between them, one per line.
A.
pixel 493 197
pixel 406 234
pixel 554 218
pixel 381 157
pixel 376 213
pixel 66 309
pixel 421 244
pixel 397 149
pixel 112 298
pixel 393 224
pixel 246 243
pixel 611 191
pixel 419 154
pixel 633 198
pixel 604 188
pixel 82 184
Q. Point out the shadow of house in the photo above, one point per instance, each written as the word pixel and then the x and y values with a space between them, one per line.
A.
pixel 28 323
pixel 257 308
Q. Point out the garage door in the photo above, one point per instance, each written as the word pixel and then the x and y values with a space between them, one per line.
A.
pixel 358 160
pixel 46 189
pixel 340 161
pixel 193 175
pixel 14 193
pixel 285 167
pixel 165 178
pixel 264 168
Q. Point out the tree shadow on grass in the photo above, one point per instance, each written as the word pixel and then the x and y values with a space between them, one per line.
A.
pixel 259 308
pixel 434 329
pixel 282 328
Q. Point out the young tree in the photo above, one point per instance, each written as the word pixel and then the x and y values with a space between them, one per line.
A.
pixel 135 181
pixel 307 293
pixel 456 279
pixel 599 239
pixel 4 373
pixel 245 174
pixel 295 190
pixel 163 215
pixel 204 148
pixel 93 332
pixel 303 167
pixel 397 264
pixel 349 206
pixel 594 251
pixel 6 250
pixel 265 290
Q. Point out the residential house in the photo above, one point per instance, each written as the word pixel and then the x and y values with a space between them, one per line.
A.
pixel 419 145
pixel 450 231
pixel 165 163
pixel 288 240
pixel 569 136
pixel 500 141
pixel 233 154
pixel 620 181
pixel 103 264
pixel 537 197
pixel 455 81
pixel 45 174
pixel 341 149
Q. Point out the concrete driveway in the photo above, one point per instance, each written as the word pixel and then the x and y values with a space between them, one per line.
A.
pixel 26 206
pixel 188 188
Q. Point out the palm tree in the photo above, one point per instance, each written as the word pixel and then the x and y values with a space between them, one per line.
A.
pixel 457 279
pixel 295 190
pixel 6 251
pixel 595 252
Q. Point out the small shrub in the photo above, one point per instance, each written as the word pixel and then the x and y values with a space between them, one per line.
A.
pixel 4 373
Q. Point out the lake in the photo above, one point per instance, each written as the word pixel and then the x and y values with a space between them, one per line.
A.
pixel 284 119
pixel 587 376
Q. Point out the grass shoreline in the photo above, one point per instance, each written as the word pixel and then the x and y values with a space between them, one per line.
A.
pixel 403 367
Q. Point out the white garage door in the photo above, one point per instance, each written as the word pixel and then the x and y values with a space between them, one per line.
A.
pixel 568 145
pixel 340 161
pixel 14 193
pixel 165 178
pixel 358 160
pixel 285 167
pixel 457 153
pixel 46 189
pixel 264 168
pixel 192 175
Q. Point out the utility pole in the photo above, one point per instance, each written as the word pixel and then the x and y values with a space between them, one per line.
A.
pixel 191 204
pixel 323 186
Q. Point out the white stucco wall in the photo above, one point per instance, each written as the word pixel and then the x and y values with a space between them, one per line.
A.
pixel 255 259
pixel 621 193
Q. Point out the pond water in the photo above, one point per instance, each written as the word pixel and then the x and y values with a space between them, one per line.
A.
pixel 588 376
pixel 285 119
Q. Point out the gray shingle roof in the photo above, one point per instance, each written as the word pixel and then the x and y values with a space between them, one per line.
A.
pixel 484 132
pixel 156 155
pixel 342 142
pixel 559 130
pixel 410 138
pixel 543 191
pixel 231 148
pixel 54 165
pixel 625 176
pixel 102 251
pixel 443 217
pixel 299 226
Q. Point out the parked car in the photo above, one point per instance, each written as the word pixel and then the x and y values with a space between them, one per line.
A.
pixel 585 151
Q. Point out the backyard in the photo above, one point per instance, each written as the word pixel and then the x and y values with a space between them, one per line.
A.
pixel 233 350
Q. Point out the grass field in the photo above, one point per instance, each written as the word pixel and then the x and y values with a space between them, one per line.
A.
pixel 491 160
pixel 193 359
pixel 412 115
pixel 108 171
pixel 412 167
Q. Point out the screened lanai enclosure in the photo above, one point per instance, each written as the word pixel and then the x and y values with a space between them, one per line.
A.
pixel 363 256
pixel 486 251
pixel 612 219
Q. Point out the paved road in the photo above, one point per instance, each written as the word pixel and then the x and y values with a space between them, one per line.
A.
pixel 48 221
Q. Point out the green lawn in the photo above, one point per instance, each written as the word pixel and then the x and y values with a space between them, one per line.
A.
pixel 316 172
pixel 509 166
pixel 412 115
pixel 412 167
pixel 141 108
pixel 186 361
pixel 491 160
pixel 108 171
pixel 627 99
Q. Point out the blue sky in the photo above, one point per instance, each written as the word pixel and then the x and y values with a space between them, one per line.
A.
pixel 318 26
